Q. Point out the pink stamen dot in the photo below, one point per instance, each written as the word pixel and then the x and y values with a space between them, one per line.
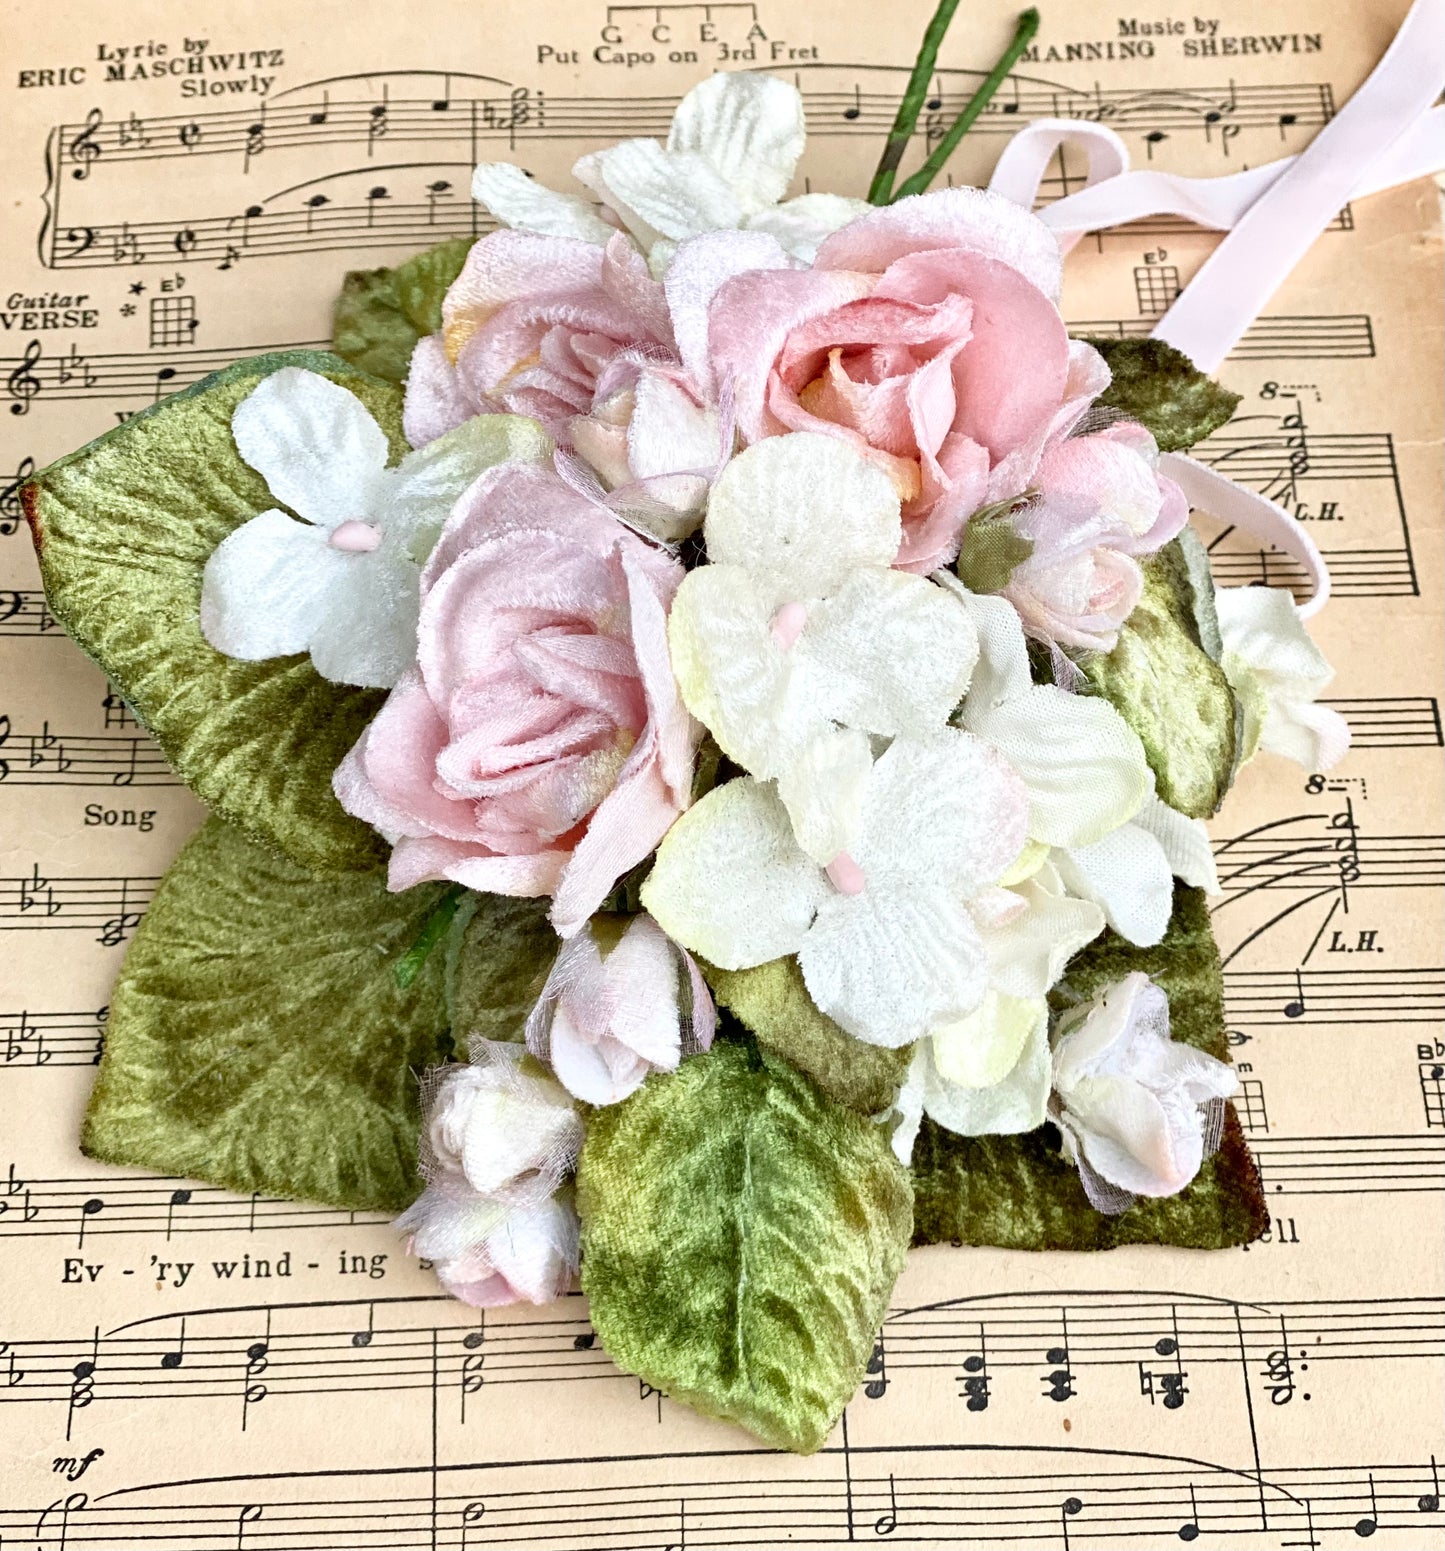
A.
pixel 845 874
pixel 355 538
pixel 788 624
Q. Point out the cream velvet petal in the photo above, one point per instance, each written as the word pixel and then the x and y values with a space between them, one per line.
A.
pixel 428 483
pixel 943 810
pixel 660 193
pixel 749 127
pixel 968 218
pixel 983 1048
pixel 802 512
pixel 732 674
pixel 1127 875
pixel 1314 736
pixel 893 962
pixel 519 201
pixel 1028 952
pixel 1002 669
pixel 822 788
pixel 264 584
pixel 314 443
pixel 1016 1102
pixel 730 882
pixel 1084 765
pixel 888 652
pixel 801 225
pixel 1185 842
pixel 670 433
pixel 365 627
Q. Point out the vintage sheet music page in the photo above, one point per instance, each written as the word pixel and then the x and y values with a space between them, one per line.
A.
pixel 182 1368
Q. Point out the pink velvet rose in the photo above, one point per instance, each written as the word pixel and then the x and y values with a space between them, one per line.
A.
pixel 539 745
pixel 580 337
pixel 928 334
pixel 1099 501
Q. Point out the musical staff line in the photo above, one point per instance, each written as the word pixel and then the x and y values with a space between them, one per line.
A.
pixel 1344 337
pixel 386 1344
pixel 1392 722
pixel 311 117
pixel 80 1208
pixel 52 1038
pixel 1280 860
pixel 109 907
pixel 46 758
pixel 940 1493
pixel 1349 1165
pixel 1344 997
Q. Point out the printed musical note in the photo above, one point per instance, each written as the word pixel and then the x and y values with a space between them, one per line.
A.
pixel 875 1385
pixel 55 1520
pixel 1367 1526
pixel 1060 1378
pixel 92 1206
pixel 1189 1530
pixel 975 1380
pixel 177 1355
pixel 22 384
pixel 253 1391
pixel 1278 1370
pixel 886 1523
pixel 252 1513
pixel 472 1514
pixel 376 127
pixel 255 142
pixel 178 1198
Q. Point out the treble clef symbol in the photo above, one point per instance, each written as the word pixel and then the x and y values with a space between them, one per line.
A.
pixel 83 148
pixel 10 508
pixel 22 383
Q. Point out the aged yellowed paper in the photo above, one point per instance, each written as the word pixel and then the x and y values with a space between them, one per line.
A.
pixel 185 182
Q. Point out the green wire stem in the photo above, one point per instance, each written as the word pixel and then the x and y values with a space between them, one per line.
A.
pixel 881 189
pixel 1023 36
pixel 409 966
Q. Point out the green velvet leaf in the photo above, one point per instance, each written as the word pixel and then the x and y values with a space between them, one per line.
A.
pixel 773 1002
pixel 124 528
pixel 992 549
pixel 257 1038
pixel 1164 391
pixel 1018 1192
pixel 1170 690
pixel 500 952
pixel 740 1236
pixel 382 313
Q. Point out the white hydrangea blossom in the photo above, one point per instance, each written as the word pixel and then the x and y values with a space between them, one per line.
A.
pixel 730 155
pixel 798 641
pixel 889 945
pixel 343 582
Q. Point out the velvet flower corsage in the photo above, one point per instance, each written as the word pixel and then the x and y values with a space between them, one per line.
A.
pixel 708 703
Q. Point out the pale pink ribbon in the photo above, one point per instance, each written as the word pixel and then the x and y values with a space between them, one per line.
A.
pixel 1388 133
